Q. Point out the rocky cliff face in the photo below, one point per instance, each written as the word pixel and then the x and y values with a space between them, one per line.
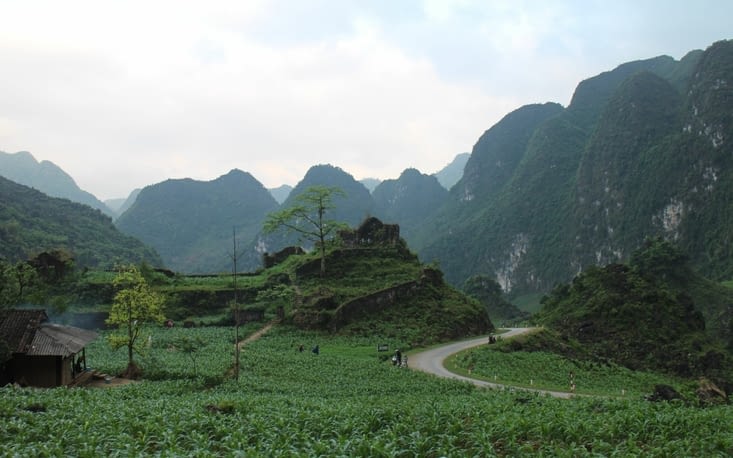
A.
pixel 641 151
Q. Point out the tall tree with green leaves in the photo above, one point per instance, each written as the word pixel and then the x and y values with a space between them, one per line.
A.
pixel 307 217
pixel 17 283
pixel 134 305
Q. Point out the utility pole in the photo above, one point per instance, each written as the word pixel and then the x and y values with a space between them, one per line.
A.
pixel 236 308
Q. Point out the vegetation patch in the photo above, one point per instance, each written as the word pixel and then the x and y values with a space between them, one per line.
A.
pixel 632 315
pixel 550 371
pixel 341 402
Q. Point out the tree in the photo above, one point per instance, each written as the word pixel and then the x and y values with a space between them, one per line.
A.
pixel 7 287
pixel 661 259
pixel 135 304
pixel 17 281
pixel 307 217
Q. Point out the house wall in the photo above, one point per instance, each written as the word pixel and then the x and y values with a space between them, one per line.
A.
pixel 67 375
pixel 42 371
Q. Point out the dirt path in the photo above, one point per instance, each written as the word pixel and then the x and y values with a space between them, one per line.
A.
pixel 431 361
pixel 256 335
pixel 109 382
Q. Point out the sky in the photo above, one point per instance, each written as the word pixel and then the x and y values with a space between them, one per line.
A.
pixel 122 95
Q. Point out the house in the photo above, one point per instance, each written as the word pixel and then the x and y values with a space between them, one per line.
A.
pixel 35 352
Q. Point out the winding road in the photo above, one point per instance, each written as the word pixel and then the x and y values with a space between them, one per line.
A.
pixel 431 361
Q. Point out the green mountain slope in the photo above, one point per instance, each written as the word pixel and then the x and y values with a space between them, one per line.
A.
pixel 488 292
pixel 32 222
pixel 641 151
pixel 464 229
pixel 639 315
pixel 190 223
pixel 351 208
pixel 47 177
pixel 614 189
pixel 409 200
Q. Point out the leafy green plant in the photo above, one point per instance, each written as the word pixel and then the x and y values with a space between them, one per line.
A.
pixel 135 304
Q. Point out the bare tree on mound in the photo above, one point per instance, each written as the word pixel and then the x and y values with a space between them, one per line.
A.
pixel 307 217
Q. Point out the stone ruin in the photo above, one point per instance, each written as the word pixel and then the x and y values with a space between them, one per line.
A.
pixel 269 260
pixel 371 232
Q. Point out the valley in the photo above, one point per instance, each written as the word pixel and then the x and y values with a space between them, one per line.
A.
pixel 593 240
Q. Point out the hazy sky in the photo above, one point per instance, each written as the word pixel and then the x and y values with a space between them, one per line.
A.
pixel 122 94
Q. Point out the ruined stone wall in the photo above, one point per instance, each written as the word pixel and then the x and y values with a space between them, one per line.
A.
pixel 270 260
pixel 370 233
pixel 373 303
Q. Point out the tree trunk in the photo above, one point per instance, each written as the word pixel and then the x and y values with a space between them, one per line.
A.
pixel 323 262
pixel 323 254
pixel 130 341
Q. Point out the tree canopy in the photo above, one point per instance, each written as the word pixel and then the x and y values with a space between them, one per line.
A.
pixel 135 304
pixel 307 217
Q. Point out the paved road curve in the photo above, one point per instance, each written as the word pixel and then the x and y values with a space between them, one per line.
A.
pixel 431 361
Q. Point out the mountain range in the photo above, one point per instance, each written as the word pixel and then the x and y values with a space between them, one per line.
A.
pixel 642 150
pixel 161 216
pixel 46 177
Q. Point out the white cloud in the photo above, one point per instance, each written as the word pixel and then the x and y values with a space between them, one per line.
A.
pixel 125 94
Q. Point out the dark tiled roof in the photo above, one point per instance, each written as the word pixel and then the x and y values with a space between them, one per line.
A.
pixel 54 339
pixel 25 332
pixel 18 327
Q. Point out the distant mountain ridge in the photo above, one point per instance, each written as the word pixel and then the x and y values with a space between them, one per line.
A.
pixel 370 183
pixel 281 192
pixel 47 177
pixel 120 206
pixel 351 208
pixel 409 200
pixel 453 172
pixel 192 223
pixel 162 215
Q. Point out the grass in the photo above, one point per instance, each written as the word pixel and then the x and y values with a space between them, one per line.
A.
pixel 548 371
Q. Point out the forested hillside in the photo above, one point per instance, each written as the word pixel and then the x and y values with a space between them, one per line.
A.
pixel 647 314
pixel 643 150
pixel 32 222
pixel 191 223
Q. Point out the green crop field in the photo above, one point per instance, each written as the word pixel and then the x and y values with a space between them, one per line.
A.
pixel 553 372
pixel 344 401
